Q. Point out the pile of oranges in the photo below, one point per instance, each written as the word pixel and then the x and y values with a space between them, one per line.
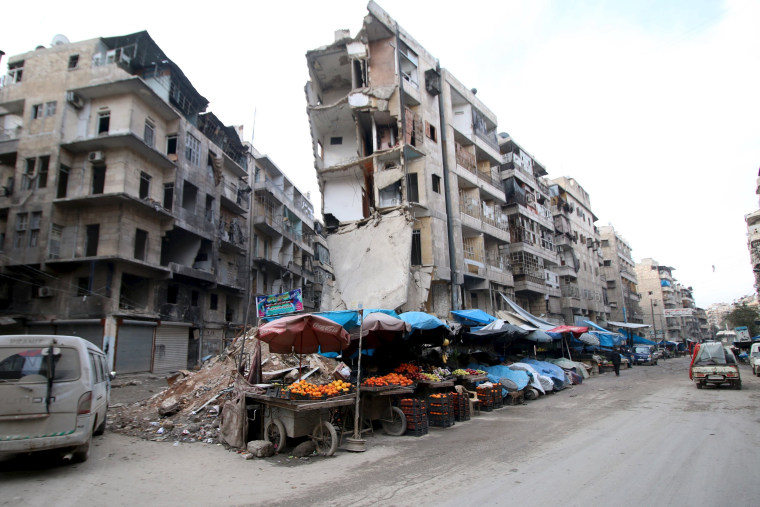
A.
pixel 309 391
pixel 408 368
pixel 392 379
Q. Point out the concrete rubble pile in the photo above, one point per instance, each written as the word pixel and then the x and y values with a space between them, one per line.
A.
pixel 188 409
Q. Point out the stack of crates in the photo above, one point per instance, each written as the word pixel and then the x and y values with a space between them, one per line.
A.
pixel 415 412
pixel 498 398
pixel 461 407
pixel 441 410
pixel 485 395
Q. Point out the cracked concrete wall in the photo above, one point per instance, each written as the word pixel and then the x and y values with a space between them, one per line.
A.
pixel 371 262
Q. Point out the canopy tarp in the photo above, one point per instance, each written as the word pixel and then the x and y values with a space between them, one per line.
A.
pixel 539 336
pixel 472 317
pixel 608 339
pixel 534 321
pixel 497 332
pixel 553 371
pixel 349 319
pixel 627 325
pixel 588 339
pixel 422 321
pixel 512 380
pixel 640 340
pixel 576 330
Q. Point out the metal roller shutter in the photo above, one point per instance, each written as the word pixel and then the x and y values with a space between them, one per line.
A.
pixel 134 346
pixel 170 353
pixel 89 329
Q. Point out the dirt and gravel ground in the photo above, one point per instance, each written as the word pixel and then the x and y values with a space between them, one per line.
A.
pixel 646 437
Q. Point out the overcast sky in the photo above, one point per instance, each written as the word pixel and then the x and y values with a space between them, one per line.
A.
pixel 653 106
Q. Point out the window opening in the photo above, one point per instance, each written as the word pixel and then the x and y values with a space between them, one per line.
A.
pixel 26 178
pixel 436 184
pixel 168 195
pixel 42 171
pixel 20 233
pixel 141 244
pixel 73 61
pixel 172 293
pixel 213 302
pixel 412 193
pixel 50 108
pixel 54 245
pixel 192 150
pixel 171 144
pixel 63 181
pixel 91 240
pixel 104 122
pixel 98 179
pixel 34 228
pixel 149 133
pixel 144 185
pixel 431 132
pixel 416 248
pixel 37 111
pixel 16 71
pixel 336 140
pixel 209 208
pixel 189 194
pixel 83 286
pixel 194 298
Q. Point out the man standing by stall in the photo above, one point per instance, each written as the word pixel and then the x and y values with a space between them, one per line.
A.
pixel 615 358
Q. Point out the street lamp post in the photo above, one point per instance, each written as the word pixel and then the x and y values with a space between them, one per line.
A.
pixel 654 325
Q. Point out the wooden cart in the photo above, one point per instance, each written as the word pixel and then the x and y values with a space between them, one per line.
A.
pixel 377 405
pixel 299 418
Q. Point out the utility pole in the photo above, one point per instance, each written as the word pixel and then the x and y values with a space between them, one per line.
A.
pixel 654 325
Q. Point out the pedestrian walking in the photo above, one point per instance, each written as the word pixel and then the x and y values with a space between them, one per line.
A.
pixel 615 358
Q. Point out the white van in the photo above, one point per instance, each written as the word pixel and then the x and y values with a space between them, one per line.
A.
pixel 54 394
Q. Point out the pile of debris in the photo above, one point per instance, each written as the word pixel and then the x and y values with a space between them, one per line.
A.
pixel 188 409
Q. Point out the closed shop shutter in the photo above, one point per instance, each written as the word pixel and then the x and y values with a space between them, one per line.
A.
pixel 170 354
pixel 89 329
pixel 134 346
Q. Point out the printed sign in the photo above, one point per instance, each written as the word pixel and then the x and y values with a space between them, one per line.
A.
pixel 678 312
pixel 278 304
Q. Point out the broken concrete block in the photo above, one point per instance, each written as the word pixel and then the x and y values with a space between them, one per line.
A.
pixel 168 407
pixel 260 448
pixel 304 449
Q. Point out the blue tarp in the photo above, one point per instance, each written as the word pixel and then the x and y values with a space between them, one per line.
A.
pixel 640 340
pixel 392 313
pixel 422 321
pixel 495 373
pixel 552 371
pixel 349 319
pixel 473 317
pixel 608 339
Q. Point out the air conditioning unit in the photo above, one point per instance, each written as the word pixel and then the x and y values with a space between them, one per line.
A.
pixel 44 292
pixel 96 156
pixel 75 100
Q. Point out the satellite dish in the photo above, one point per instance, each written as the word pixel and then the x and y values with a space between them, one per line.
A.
pixel 59 40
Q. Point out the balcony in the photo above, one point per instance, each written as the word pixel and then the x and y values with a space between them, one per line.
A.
pixel 234 198
pixel 190 272
pixel 115 198
pixel 9 139
pixel 128 140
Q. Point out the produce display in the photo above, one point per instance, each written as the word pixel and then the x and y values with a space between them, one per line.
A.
pixel 410 371
pixel 468 371
pixel 308 391
pixel 392 379
pixel 432 377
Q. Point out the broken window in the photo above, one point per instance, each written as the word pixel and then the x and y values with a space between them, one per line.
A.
pixel 98 179
pixel 73 61
pixel 171 144
pixel 104 122
pixel 16 71
pixel 168 196
pixel 390 195
pixel 412 192
pixel 189 195
pixel 409 64
pixel 63 181
pixel 360 73
pixel 172 294
pixel 416 248
pixel 213 303
pixel 92 236
pixel 37 111
pixel 192 150
pixel 144 185
pixel 336 140
pixel 149 133
pixel 26 178
pixel 431 132
pixel 194 298
pixel 20 233
pixel 54 244
pixel 83 286
pixel 436 184
pixel 34 228
pixel 141 244
pixel 209 208
pixel 42 171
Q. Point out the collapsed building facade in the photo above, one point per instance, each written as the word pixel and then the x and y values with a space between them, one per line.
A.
pixel 125 215
pixel 408 163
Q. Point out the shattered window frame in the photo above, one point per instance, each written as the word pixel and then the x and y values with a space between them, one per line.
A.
pixel 192 150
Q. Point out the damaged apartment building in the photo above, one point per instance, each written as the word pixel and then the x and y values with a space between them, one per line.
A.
pixel 620 274
pixel 409 166
pixel 126 208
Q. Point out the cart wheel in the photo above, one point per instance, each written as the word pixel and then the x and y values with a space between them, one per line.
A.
pixel 275 433
pixel 396 425
pixel 325 438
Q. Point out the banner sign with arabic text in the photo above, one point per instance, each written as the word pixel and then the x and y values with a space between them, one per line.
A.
pixel 279 304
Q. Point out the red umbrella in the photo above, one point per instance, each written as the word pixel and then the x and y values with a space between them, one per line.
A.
pixel 303 334
pixel 377 329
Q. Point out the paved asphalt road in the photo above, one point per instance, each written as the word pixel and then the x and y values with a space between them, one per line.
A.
pixel 648 437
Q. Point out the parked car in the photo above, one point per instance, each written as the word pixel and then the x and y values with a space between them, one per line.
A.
pixel 54 394
pixel 754 358
pixel 644 354
pixel 715 364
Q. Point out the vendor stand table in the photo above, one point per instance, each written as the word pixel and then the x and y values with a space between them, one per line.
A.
pixel 298 418
pixel 426 386
pixel 469 381
pixel 377 405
